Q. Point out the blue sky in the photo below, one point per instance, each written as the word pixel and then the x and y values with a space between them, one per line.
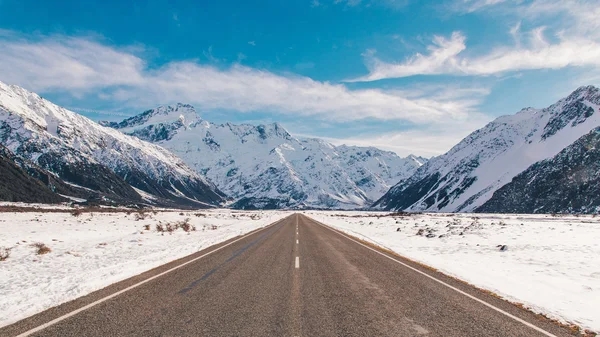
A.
pixel 408 76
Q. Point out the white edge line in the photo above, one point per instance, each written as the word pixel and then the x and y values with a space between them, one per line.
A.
pixel 75 312
pixel 297 262
pixel 441 282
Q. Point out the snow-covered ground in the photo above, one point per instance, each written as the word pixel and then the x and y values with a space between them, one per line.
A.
pixel 94 250
pixel 551 264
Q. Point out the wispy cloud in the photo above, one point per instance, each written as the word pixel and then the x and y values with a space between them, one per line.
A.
pixel 392 4
pixel 252 43
pixel 445 57
pixel 432 140
pixel 79 66
pixel 566 33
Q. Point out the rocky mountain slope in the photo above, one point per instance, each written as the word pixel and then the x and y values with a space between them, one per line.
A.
pixel 87 155
pixel 467 176
pixel 566 183
pixel 17 185
pixel 265 167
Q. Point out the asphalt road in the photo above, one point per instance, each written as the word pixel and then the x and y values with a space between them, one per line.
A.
pixel 293 278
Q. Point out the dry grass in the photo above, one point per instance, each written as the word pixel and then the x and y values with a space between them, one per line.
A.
pixel 171 227
pixel 41 248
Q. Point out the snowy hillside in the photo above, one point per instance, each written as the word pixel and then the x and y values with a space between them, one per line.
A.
pixel 467 176
pixel 566 183
pixel 86 154
pixel 265 167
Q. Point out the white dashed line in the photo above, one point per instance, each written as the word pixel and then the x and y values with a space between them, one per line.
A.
pixel 297 262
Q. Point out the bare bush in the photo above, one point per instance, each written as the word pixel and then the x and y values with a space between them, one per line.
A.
pixel 41 248
pixel 140 216
pixel 147 227
pixel 4 253
pixel 160 227
pixel 76 212
pixel 185 225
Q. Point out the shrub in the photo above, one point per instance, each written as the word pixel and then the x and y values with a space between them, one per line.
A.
pixel 41 248
pixel 185 225
pixel 4 253
pixel 147 227
pixel 160 228
pixel 76 212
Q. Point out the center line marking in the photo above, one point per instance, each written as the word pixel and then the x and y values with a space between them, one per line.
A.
pixel 296 241
pixel 297 262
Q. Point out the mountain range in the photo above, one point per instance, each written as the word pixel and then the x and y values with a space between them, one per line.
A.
pixel 264 166
pixel 526 163
pixel 535 161
pixel 97 161
pixel 138 160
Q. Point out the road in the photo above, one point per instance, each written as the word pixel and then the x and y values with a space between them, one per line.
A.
pixel 295 277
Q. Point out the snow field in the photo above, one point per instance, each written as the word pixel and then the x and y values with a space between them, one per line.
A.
pixel 551 264
pixel 94 250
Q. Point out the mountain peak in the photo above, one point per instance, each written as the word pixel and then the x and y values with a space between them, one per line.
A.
pixel 178 113
pixel 585 92
pixel 273 129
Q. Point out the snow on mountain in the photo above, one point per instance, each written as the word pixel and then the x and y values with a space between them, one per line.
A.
pixel 468 175
pixel 265 167
pixel 87 154
pixel 566 183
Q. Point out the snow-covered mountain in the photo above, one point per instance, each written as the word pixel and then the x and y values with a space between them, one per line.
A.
pixel 84 153
pixel 467 176
pixel 566 183
pixel 265 167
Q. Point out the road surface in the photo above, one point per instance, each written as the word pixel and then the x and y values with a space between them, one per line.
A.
pixel 295 277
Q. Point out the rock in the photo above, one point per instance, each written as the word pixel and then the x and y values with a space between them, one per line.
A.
pixel 431 235
pixel 398 229
pixel 421 232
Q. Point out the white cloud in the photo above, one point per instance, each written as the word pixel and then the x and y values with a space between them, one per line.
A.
pixel 79 66
pixel 475 5
pixel 68 63
pixel 445 57
pixel 252 43
pixel 430 141
pixel 572 26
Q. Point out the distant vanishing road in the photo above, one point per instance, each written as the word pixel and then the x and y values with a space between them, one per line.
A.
pixel 295 277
